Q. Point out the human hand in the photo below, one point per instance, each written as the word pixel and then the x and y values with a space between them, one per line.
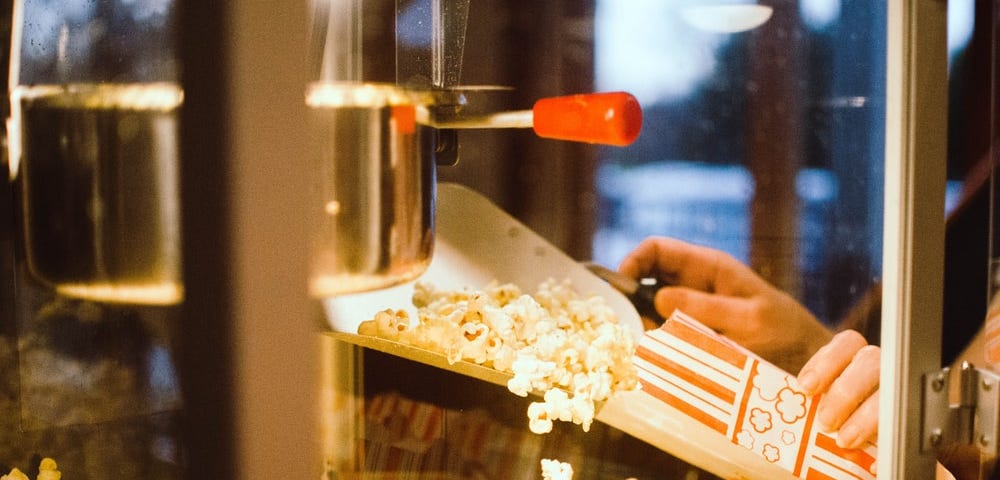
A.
pixel 730 298
pixel 846 372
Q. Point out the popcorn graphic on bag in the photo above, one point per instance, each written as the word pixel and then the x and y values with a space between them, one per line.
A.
pixel 745 399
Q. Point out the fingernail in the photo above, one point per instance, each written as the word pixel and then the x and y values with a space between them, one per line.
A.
pixel 847 437
pixel 823 419
pixel 807 381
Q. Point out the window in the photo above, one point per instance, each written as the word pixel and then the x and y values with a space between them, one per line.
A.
pixel 764 140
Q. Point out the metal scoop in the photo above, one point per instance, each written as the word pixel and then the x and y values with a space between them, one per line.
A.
pixel 641 292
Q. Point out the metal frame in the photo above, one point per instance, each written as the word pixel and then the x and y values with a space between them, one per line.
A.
pixel 249 348
pixel 916 106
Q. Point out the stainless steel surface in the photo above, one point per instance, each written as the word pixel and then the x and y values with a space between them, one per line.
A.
pixel 476 243
pixel 93 139
pixel 436 63
pixel 641 292
pixel 374 175
pixel 99 176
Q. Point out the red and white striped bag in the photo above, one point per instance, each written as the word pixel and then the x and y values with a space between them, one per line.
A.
pixel 747 400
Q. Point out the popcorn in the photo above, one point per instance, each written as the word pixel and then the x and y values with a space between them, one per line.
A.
pixel 15 474
pixel 567 347
pixel 538 418
pixel 556 470
pixel 386 324
pixel 47 470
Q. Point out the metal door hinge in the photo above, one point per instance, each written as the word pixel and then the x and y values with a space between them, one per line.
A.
pixel 973 420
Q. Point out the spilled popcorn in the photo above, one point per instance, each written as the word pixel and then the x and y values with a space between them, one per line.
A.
pixel 47 470
pixel 556 470
pixel 556 342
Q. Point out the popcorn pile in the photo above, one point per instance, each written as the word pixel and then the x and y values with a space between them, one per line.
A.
pixel 556 470
pixel 47 470
pixel 555 342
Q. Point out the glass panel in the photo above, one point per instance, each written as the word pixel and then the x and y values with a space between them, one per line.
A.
pixel 993 154
pixel 763 141
pixel 91 259
pixel 970 48
pixel 390 417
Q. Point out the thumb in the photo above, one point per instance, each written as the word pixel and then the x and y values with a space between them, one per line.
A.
pixel 715 311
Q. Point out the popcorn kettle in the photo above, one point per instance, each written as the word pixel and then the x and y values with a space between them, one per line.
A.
pixel 380 140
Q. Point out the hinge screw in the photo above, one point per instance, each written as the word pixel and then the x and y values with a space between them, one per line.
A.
pixel 938 383
pixel 935 438
pixel 984 440
pixel 987 384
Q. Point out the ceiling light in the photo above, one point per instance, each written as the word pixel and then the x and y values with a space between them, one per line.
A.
pixel 733 18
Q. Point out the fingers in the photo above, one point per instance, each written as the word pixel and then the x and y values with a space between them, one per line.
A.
pixel 689 265
pixel 862 426
pixel 830 361
pixel 846 370
pixel 858 381
pixel 641 260
pixel 717 312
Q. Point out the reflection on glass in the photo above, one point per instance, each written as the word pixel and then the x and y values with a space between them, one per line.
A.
pixel 101 212
pixel 93 141
pixel 86 351
pixel 765 143
pixel 726 18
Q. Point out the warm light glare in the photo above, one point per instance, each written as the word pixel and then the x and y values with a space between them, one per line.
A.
pixel 374 95
pixel 323 285
pixel 726 18
pixel 332 208
pixel 166 293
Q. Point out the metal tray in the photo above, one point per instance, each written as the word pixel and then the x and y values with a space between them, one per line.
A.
pixel 476 243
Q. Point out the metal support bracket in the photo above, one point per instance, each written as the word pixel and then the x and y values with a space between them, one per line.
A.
pixel 973 420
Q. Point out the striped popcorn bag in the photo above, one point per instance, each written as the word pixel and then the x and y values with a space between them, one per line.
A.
pixel 747 400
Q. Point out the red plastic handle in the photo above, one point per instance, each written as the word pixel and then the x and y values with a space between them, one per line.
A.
pixel 613 118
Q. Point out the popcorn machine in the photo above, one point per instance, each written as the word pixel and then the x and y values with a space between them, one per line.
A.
pixel 303 178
